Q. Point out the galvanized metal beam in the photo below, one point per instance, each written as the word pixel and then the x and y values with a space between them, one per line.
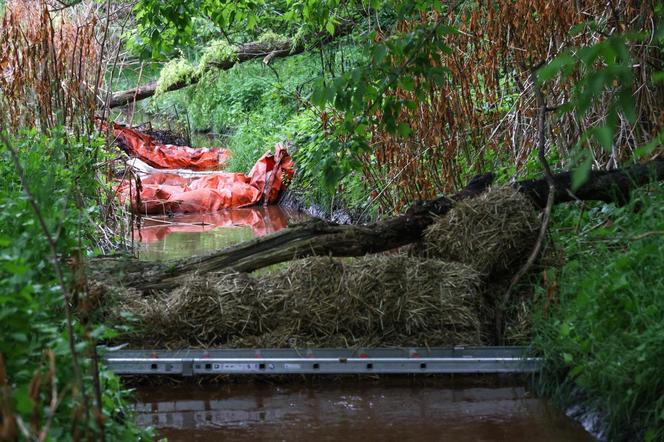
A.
pixel 407 360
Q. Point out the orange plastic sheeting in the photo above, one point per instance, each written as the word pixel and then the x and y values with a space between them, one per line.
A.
pixel 262 220
pixel 168 156
pixel 166 193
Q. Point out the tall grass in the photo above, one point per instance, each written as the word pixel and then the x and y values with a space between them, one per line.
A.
pixel 604 332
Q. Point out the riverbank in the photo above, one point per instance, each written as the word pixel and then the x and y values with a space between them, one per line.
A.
pixel 598 319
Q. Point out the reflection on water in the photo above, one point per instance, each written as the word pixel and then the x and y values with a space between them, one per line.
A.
pixel 184 235
pixel 394 409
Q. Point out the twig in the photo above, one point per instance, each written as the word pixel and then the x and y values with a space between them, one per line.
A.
pixel 54 396
pixel 133 103
pixel 103 48
pixel 541 116
pixel 647 234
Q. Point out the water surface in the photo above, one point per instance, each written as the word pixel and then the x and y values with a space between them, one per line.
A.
pixel 162 238
pixel 433 409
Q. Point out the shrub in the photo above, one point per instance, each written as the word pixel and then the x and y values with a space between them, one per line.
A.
pixel 34 345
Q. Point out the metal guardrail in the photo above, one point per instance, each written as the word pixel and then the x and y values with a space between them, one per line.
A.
pixel 407 360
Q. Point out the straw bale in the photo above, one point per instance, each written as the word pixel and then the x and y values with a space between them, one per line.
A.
pixel 370 301
pixel 490 233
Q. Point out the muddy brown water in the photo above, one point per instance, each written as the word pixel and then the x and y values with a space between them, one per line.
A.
pixel 436 408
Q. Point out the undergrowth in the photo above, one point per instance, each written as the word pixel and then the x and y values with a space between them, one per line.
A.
pixel 603 333
pixel 34 343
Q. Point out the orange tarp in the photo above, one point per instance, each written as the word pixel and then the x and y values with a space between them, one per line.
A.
pixel 165 193
pixel 168 156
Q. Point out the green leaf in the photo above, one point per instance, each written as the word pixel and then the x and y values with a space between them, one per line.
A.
pixel 627 104
pixel 581 172
pixel 604 136
pixel 24 404
pixel 655 143
pixel 564 329
pixel 318 95
pixel 20 337
pixel 15 268
pixel 576 371
pixel 554 66
pixel 407 83
pixel 330 27
pixel 251 22
pixel 568 358
pixel 404 130
pixel 379 52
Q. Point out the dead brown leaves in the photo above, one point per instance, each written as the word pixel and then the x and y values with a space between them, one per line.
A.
pixel 484 116
pixel 47 66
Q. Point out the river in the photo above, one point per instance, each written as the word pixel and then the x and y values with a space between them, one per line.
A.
pixel 161 237
pixel 433 408
pixel 359 409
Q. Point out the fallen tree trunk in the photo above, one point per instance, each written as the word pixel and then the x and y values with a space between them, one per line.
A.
pixel 244 52
pixel 318 237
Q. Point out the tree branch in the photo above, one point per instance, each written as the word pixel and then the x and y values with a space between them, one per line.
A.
pixel 243 52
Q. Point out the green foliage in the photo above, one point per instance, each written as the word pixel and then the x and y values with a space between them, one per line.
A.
pixel 363 97
pixel 176 71
pixel 605 333
pixel 163 25
pixel 61 174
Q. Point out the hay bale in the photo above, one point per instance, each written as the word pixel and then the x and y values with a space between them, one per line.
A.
pixel 202 310
pixel 371 301
pixel 395 299
pixel 490 233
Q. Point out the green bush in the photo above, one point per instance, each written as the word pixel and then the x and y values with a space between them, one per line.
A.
pixel 60 172
pixel 606 332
